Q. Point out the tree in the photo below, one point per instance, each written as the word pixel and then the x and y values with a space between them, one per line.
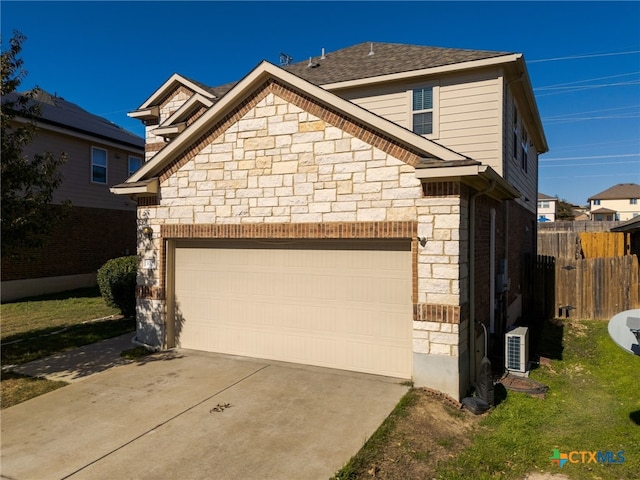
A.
pixel 27 183
pixel 565 210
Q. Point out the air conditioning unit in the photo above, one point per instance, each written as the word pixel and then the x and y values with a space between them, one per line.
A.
pixel 517 350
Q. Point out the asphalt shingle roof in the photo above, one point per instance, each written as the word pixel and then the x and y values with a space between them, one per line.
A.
pixel 57 111
pixel 619 191
pixel 354 63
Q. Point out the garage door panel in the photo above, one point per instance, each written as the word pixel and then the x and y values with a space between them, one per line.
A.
pixel 328 304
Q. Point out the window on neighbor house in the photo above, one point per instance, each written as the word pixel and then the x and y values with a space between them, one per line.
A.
pixel 543 204
pixel 134 164
pixel 422 108
pixel 98 165
pixel 596 202
pixel 633 201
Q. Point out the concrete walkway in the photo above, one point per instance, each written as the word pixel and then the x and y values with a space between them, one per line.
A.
pixel 80 363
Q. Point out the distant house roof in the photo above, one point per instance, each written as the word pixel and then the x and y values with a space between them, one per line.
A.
pixel 619 191
pixel 59 112
pixel 603 210
pixel 356 62
pixel 542 196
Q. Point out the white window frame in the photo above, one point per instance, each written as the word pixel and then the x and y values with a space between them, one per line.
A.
pixel 435 110
pixel 131 172
pixel 596 202
pixel 105 166
pixel 633 201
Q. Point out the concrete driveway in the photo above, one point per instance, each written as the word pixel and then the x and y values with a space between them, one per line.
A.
pixel 193 415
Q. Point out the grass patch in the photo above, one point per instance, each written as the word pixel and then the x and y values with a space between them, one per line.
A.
pixel 135 353
pixel 73 337
pixel 16 388
pixel 594 392
pixel 40 315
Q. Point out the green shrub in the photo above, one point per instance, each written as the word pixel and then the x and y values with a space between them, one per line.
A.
pixel 117 282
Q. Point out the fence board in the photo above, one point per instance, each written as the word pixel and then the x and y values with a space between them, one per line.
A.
pixel 593 288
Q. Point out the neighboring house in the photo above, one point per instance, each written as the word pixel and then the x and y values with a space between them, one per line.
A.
pixel 620 202
pixel 547 207
pixel 357 211
pixel 100 225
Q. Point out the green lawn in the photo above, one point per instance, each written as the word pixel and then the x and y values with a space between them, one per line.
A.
pixel 593 404
pixel 48 313
pixel 37 327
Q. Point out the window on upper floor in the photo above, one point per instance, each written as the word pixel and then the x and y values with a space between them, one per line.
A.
pixel 525 150
pixel 543 204
pixel 515 133
pixel 422 111
pixel 98 165
pixel 596 202
pixel 134 164
pixel 633 201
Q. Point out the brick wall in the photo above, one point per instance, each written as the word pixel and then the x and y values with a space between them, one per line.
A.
pixel 88 238
pixel 520 225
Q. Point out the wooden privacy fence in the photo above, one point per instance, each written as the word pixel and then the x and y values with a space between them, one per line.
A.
pixel 577 245
pixel 592 288
pixel 604 244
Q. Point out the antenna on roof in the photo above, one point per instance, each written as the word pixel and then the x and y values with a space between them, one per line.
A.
pixel 371 52
pixel 322 57
pixel 285 59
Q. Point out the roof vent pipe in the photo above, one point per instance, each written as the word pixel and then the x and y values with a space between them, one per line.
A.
pixel 322 57
pixel 371 52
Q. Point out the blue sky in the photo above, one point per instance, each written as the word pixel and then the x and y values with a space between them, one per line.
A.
pixel 583 59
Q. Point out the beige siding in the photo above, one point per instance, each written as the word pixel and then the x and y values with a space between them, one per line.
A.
pixel 469 116
pixel 77 185
pixel 467 111
pixel 525 182
pixel 390 102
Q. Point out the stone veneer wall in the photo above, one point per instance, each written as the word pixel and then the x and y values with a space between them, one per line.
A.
pixel 280 160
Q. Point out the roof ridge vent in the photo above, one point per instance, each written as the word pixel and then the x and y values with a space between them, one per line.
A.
pixel 371 52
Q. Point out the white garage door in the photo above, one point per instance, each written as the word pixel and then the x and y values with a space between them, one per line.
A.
pixel 337 304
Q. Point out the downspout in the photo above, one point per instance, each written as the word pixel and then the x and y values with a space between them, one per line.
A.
pixel 472 279
pixel 492 274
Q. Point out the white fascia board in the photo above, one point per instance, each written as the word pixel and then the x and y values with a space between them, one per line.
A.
pixel 170 130
pixel 186 107
pixel 267 70
pixel 149 187
pixel 168 85
pixel 145 114
pixel 478 176
pixel 455 67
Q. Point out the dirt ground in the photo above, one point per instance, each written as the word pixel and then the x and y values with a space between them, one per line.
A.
pixel 433 430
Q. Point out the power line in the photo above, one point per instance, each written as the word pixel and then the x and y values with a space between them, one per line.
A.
pixel 586 80
pixel 591 111
pixel 593 176
pixel 575 57
pixel 561 159
pixel 589 164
